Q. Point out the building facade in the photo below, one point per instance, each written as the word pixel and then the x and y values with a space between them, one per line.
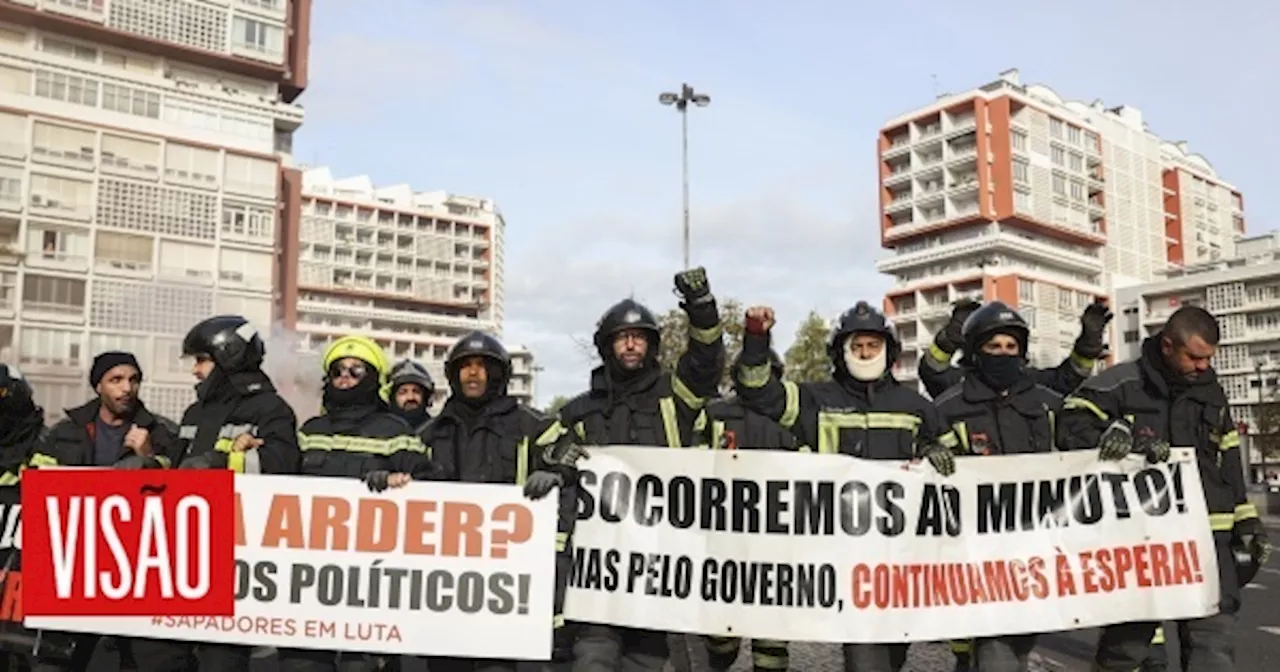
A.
pixel 413 270
pixel 1244 293
pixel 1008 192
pixel 143 149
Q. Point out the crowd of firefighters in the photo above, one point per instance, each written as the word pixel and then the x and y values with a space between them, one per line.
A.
pixel 376 425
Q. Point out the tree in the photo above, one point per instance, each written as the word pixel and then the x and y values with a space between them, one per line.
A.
pixel 557 402
pixel 806 359
pixel 1266 434
pixel 675 335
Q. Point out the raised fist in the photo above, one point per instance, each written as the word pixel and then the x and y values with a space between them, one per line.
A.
pixel 759 319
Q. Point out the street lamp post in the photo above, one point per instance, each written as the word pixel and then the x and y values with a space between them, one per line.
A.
pixel 681 102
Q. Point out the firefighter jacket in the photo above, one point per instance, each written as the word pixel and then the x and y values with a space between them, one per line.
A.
pixel 70 442
pixel 986 422
pixel 351 442
pixel 938 375
pixel 242 403
pixel 731 425
pixel 1197 416
pixel 882 420
pixel 503 442
pixel 21 437
pixel 656 408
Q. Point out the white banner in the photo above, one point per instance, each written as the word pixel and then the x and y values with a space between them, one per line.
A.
pixel 445 569
pixel 804 547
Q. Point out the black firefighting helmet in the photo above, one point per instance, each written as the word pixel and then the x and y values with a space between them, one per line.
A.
pixel 993 318
pixel 406 372
pixel 863 319
pixel 626 314
pixel 15 392
pixel 479 344
pixel 232 343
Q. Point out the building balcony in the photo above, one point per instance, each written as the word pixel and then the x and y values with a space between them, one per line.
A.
pixel 900 204
pixel 893 179
pixel 898 148
pixel 52 311
pixel 963 154
pixel 1002 242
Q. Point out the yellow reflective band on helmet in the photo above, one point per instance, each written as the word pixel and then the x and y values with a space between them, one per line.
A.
pixel 362 348
pixel 830 424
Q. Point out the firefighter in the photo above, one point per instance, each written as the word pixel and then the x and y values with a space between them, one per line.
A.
pixel 355 436
pixel 1170 395
pixel 730 425
pixel 998 408
pixel 483 435
pixel 938 375
pixel 632 401
pixel 21 426
pixel 411 392
pixel 862 412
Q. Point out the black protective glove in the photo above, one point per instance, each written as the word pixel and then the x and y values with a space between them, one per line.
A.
pixel 1116 442
pixel 1093 323
pixel 540 483
pixel 136 461
pixel 566 454
pixel 1253 536
pixel 950 338
pixel 1156 450
pixel 377 480
pixel 202 461
pixel 693 288
pixel 941 458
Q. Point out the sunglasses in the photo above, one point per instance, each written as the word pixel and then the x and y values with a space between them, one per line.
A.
pixel 353 371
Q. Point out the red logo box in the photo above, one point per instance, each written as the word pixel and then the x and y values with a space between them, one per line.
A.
pixel 105 542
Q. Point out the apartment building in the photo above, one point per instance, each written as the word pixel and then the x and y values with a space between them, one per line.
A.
pixel 142 144
pixel 1244 293
pixel 1011 192
pixel 413 270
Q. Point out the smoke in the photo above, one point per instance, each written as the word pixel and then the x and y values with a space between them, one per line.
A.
pixel 297 374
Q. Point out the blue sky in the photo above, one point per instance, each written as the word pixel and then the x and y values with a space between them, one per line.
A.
pixel 550 108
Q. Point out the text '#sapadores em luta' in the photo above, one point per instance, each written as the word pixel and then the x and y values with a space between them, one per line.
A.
pixel 373 528
pixel 790 508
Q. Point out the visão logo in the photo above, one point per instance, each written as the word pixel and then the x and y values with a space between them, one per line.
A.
pixel 104 542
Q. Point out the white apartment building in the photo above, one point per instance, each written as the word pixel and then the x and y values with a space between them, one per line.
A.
pixel 413 270
pixel 1243 291
pixel 139 179
pixel 1009 192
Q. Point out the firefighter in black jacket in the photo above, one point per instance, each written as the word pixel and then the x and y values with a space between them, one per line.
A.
pixel 238 421
pixel 21 425
pixel 1170 395
pixel 483 435
pixel 632 401
pixel 410 393
pixel 998 409
pixel 355 436
pixel 862 412
pixel 731 425
pixel 938 375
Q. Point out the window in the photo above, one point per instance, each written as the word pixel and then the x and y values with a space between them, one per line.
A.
pixel 245 127
pixel 253 308
pixel 62 144
pixel 191 165
pixel 88 6
pixel 50 347
pixel 66 88
pixel 1022 201
pixel 10 187
pixel 1073 135
pixel 1026 289
pixel 1060 185
pixel 1131 336
pixel 250 175
pixel 122 342
pixel 15 80
pixel 258 38
pixel 247 222
pixel 1077 191
pixel 1020 171
pixel 130 100
pixel 53 295
pixel 61 196
pixel 130 62
pixel 272 5
pixel 49 243
pixel 190 115
pixel 1055 128
pixel 13 136
pixel 242 267
pixel 1019 140
pixel 68 50
pixel 1058 155
pixel 191 24
pixel 130 155
pixel 13 36
pixel 1077 161
pixel 121 251
pixel 186 260
pixel 1091 140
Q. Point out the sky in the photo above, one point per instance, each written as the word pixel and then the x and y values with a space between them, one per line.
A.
pixel 550 107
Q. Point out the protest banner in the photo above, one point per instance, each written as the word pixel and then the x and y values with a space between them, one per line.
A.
pixel 428 569
pixel 832 548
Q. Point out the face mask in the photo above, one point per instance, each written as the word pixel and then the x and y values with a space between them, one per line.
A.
pixel 865 370
pixel 999 371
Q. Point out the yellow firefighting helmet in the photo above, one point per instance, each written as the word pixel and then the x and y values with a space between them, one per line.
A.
pixel 361 348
